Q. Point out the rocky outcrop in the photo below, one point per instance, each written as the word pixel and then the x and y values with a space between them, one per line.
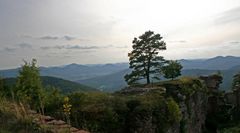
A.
pixel 193 99
pixel 140 90
pixel 212 82
pixel 52 125
pixel 194 112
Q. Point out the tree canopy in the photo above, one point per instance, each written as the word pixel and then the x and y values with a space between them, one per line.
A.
pixel 144 58
pixel 172 69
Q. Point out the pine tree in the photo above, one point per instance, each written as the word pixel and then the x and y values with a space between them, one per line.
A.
pixel 29 86
pixel 144 58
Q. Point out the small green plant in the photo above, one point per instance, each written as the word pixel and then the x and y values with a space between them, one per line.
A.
pixel 67 109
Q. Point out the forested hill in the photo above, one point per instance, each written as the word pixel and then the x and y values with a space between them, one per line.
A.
pixel 65 86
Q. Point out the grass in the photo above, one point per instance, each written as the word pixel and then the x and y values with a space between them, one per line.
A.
pixel 13 119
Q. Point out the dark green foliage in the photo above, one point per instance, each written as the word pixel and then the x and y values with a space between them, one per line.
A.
pixel 2 88
pixel 232 129
pixel 5 90
pixel 220 119
pixel 93 111
pixel 144 58
pixel 29 87
pixel 236 81
pixel 105 113
pixel 64 86
pixel 172 69
pixel 183 126
pixel 132 104
pixel 1 84
pixel 53 102
pixel 174 112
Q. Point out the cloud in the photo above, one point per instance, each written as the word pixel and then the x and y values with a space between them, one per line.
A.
pixel 27 36
pixel 69 38
pixel 53 47
pixel 49 38
pixel 125 46
pixel 66 38
pixel 177 41
pixel 8 49
pixel 17 46
pixel 229 16
pixel 74 47
pixel 82 47
pixel 79 47
pixel 234 42
pixel 25 45
pixel 45 47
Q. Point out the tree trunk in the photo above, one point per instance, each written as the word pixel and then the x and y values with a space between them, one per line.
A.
pixel 148 79
pixel 147 72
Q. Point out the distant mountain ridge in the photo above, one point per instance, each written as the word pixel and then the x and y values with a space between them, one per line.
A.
pixel 216 63
pixel 109 77
pixel 73 72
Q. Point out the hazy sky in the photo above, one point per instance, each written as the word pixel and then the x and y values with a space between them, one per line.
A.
pixel 60 32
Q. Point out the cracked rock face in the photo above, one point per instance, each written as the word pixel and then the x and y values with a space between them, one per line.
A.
pixel 194 108
pixel 212 82
pixel 194 113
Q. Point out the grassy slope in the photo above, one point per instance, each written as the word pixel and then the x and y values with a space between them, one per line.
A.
pixel 13 120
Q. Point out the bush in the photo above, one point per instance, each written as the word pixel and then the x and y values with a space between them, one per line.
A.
pixel 174 112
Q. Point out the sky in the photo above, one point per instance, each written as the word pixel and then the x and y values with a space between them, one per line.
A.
pixel 58 32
